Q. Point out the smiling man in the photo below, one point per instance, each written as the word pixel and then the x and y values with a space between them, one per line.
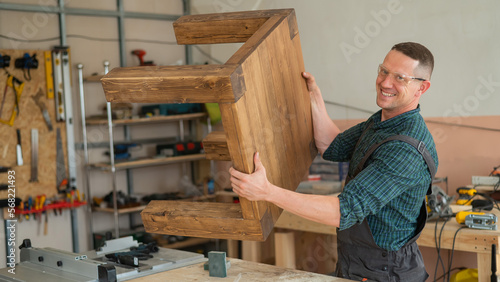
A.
pixel 381 210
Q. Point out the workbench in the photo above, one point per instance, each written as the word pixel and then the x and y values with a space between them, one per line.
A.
pixel 240 270
pixel 469 240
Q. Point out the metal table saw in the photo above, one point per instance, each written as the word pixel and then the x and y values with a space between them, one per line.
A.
pixel 117 260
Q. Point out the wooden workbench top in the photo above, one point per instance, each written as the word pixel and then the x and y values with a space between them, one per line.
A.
pixel 239 271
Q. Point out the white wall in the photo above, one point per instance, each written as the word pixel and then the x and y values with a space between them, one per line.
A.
pixel 343 41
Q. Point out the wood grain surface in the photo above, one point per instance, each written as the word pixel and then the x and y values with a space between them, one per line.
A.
pixel 264 104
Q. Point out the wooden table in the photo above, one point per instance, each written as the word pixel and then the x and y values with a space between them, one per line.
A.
pixel 468 240
pixel 240 270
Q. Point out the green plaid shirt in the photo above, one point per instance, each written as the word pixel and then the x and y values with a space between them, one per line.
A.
pixel 390 190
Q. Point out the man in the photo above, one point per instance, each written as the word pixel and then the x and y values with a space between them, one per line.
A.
pixel 392 155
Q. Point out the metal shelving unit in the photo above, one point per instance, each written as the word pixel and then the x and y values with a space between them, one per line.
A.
pixel 112 166
pixel 61 10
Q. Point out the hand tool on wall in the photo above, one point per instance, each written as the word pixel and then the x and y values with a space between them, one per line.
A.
pixel 42 205
pixel 58 84
pixel 38 100
pixel 26 209
pixel 26 63
pixel 34 155
pixel 4 61
pixel 4 169
pixel 36 214
pixel 17 86
pixel 140 54
pixel 19 150
pixel 21 208
pixel 49 76
pixel 61 178
pixel 29 207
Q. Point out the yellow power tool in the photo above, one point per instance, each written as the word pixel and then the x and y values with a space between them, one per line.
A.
pixel 477 220
pixel 465 195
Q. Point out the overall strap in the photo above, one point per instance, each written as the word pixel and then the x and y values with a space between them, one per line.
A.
pixel 419 145
pixel 349 177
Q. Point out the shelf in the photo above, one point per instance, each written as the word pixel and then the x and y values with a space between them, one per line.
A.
pixel 226 194
pixel 148 162
pixel 141 207
pixel 120 211
pixel 145 120
pixel 93 78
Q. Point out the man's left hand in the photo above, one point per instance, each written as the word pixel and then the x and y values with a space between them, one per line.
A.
pixel 254 186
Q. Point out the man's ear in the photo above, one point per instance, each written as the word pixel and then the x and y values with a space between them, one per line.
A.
pixel 423 87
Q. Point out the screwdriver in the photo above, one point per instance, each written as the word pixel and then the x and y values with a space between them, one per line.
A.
pixel 43 203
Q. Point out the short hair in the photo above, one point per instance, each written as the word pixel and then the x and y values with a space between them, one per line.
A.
pixel 417 52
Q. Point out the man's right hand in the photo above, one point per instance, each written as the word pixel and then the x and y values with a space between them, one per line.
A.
pixel 311 85
pixel 324 128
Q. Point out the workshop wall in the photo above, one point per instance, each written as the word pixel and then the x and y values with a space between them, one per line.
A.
pixel 93 40
pixel 344 41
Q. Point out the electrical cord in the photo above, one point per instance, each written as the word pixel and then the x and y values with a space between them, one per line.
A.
pixel 438 249
pixel 496 172
pixel 446 274
pixel 87 38
pixel 453 269
pixel 109 40
pixel 452 250
pixel 437 240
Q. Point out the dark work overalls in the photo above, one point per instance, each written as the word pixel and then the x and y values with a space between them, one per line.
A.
pixel 359 257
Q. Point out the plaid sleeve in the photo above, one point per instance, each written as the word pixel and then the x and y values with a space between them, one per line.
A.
pixel 342 147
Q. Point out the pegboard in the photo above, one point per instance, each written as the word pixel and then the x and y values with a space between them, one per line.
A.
pixel 30 117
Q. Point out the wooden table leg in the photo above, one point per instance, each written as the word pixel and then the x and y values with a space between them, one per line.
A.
pixel 484 266
pixel 284 245
pixel 232 248
pixel 251 251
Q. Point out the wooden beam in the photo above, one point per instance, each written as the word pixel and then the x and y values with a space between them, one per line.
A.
pixel 215 146
pixel 221 28
pixel 202 219
pixel 174 84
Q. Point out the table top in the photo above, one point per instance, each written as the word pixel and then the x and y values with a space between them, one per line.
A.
pixel 468 239
pixel 240 270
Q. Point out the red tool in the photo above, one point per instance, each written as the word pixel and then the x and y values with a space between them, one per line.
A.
pixel 140 54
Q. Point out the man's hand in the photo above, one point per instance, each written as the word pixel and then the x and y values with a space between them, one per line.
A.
pixel 255 186
pixel 311 84
pixel 324 128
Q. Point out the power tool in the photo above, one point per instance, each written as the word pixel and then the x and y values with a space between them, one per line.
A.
pixel 438 204
pixel 465 195
pixel 140 54
pixel 477 220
